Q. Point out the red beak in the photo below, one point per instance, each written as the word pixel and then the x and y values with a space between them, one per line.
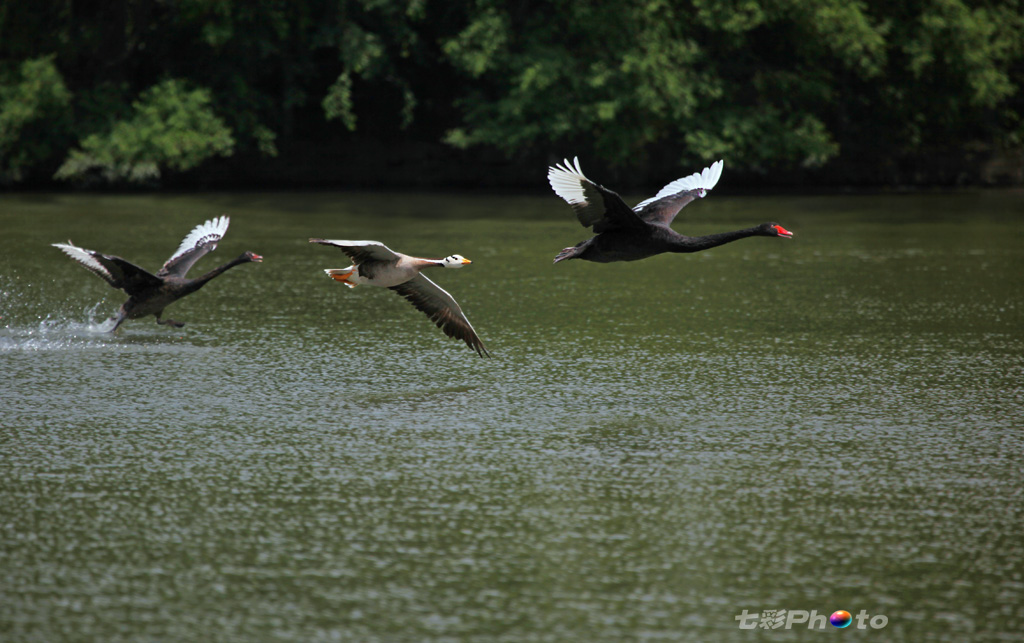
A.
pixel 783 232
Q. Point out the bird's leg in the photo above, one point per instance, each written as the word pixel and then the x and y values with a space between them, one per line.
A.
pixel 168 322
pixel 342 275
pixel 566 253
pixel 118 319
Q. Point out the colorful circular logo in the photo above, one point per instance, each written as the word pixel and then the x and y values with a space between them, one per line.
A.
pixel 840 618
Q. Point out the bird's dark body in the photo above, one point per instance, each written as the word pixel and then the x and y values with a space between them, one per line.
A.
pixel 625 244
pixel 152 301
pixel 166 289
pixel 148 302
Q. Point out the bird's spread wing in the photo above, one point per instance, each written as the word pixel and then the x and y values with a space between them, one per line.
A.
pixel 360 251
pixel 195 245
pixel 442 309
pixel 594 205
pixel 665 205
pixel 114 270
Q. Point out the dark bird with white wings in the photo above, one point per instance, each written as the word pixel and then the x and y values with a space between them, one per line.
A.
pixel 628 234
pixel 374 264
pixel 149 294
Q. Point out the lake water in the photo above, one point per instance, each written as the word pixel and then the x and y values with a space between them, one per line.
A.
pixel 832 422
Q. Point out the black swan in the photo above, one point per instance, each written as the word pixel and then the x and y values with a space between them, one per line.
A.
pixel 374 264
pixel 149 294
pixel 625 234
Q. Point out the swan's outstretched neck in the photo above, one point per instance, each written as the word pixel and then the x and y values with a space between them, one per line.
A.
pixel 219 270
pixel 696 244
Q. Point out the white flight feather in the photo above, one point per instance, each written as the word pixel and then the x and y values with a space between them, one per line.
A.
pixel 83 257
pixel 707 179
pixel 214 229
pixel 566 180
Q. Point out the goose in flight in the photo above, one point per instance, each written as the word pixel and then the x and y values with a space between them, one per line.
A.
pixel 628 234
pixel 374 264
pixel 149 294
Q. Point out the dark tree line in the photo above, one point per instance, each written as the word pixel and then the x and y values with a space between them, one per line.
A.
pixel 150 91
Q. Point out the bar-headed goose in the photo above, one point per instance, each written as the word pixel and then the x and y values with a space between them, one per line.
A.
pixel 374 264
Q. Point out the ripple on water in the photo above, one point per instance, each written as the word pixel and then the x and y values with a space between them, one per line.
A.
pixel 655 446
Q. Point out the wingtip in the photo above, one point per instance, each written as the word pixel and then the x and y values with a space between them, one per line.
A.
pixel 567 179
pixel 69 248
pixel 711 175
pixel 567 166
pixel 218 224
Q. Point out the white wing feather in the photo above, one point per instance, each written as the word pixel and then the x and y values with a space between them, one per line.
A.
pixel 707 179
pixel 83 257
pixel 565 180
pixel 214 230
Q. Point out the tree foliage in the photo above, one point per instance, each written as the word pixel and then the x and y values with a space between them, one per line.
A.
pixel 761 82
pixel 32 101
pixel 170 127
pixel 130 90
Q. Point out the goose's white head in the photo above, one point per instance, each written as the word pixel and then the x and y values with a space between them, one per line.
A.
pixel 455 261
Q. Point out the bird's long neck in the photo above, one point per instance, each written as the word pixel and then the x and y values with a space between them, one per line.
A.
pixel 420 263
pixel 696 244
pixel 200 281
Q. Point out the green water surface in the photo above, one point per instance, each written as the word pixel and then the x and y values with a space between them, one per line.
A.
pixel 823 423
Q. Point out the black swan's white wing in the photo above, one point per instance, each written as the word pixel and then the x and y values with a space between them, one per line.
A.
pixel 203 239
pixel 442 309
pixel 665 205
pixel 594 205
pixel 114 270
pixel 360 251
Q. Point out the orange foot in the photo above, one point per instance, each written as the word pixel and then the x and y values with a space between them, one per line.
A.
pixel 341 275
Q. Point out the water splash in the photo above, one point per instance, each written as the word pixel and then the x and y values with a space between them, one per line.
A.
pixel 57 331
